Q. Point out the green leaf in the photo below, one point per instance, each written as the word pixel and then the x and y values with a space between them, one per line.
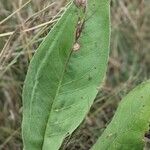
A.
pixel 62 83
pixel 130 123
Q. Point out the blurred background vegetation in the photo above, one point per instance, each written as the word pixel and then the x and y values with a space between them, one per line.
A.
pixel 24 23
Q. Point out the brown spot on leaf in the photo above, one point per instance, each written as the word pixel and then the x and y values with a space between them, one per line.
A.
pixel 76 47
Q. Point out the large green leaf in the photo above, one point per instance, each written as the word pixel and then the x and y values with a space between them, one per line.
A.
pixel 61 83
pixel 130 124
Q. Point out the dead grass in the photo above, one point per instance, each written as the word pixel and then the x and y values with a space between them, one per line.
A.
pixel 22 31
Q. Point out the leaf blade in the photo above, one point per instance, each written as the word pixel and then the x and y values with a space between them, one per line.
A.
pixel 130 123
pixel 34 78
pixel 77 80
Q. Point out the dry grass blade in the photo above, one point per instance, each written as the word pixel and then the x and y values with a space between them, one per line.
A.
pixel 31 29
pixel 6 48
pixel 45 8
pixel 14 12
pixel 9 138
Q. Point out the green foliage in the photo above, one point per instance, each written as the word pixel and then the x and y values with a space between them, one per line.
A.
pixel 61 82
pixel 130 123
